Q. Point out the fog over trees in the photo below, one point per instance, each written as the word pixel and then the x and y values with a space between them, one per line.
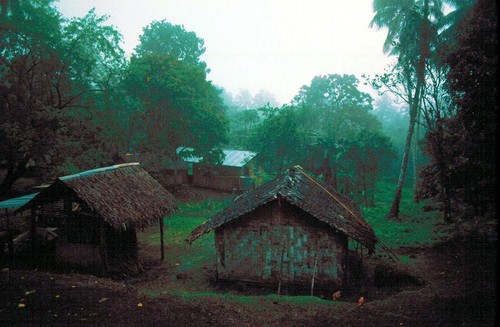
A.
pixel 71 100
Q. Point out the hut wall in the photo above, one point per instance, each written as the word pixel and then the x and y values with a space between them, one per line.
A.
pixel 222 183
pixel 279 242
pixel 82 255
pixel 224 178
pixel 221 178
pixel 85 240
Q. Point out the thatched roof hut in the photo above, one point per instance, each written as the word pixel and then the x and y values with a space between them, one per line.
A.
pixel 300 189
pixel 123 195
pixel 96 213
pixel 293 230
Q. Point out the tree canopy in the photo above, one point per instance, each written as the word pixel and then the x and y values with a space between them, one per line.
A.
pixel 164 38
pixel 51 69
pixel 70 100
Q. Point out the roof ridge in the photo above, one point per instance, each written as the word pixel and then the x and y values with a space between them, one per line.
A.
pixel 97 171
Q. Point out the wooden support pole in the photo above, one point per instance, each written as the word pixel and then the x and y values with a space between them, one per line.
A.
pixel 34 254
pixel 103 246
pixel 10 244
pixel 346 264
pixel 281 265
pixel 162 243
pixel 314 274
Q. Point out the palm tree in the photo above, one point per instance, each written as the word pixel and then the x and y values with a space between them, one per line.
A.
pixel 448 26
pixel 412 27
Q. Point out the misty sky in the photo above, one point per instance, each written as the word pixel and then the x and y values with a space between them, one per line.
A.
pixel 276 45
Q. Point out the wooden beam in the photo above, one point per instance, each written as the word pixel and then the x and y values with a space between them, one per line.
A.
pixel 161 239
pixel 103 246
pixel 10 244
pixel 314 274
pixel 33 234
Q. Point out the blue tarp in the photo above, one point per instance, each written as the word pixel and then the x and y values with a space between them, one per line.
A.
pixel 16 202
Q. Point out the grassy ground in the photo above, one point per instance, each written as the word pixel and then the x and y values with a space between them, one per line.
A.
pixel 417 228
pixel 457 282
pixel 191 267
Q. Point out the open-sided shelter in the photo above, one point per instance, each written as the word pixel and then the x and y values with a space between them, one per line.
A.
pixel 96 213
pixel 293 230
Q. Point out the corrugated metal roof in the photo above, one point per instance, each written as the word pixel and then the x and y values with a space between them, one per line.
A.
pixel 16 202
pixel 237 158
pixel 233 158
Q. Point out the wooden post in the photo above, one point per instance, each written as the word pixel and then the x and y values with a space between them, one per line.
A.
pixel 34 255
pixel 103 246
pixel 346 264
pixel 161 239
pixel 281 265
pixel 314 274
pixel 10 244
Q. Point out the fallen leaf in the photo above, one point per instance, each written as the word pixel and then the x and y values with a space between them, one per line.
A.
pixel 103 299
pixel 29 292
pixel 21 305
pixel 139 304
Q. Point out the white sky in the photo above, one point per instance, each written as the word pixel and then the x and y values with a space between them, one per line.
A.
pixel 276 45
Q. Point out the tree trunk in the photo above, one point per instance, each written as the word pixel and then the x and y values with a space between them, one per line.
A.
pixel 394 211
pixel 414 108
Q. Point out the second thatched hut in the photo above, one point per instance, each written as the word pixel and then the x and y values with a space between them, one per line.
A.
pixel 93 216
pixel 293 230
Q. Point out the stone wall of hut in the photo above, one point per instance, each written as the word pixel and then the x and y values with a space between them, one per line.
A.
pixel 280 242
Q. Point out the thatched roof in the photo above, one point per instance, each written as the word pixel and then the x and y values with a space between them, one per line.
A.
pixel 305 192
pixel 123 195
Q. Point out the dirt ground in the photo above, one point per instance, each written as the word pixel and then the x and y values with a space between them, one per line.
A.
pixel 453 284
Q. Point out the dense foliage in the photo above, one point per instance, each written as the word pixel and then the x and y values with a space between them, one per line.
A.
pixel 70 99
pixel 330 131
pixel 466 145
pixel 53 74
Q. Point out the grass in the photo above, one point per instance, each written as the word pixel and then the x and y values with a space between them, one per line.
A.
pixel 416 229
pixel 179 225
pixel 260 300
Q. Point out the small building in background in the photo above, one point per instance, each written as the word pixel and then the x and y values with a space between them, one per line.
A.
pixel 292 230
pixel 92 217
pixel 169 173
pixel 234 174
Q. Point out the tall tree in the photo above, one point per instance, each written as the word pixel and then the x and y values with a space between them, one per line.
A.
pixel 28 30
pixel 280 139
pixel 179 107
pixel 368 153
pixel 164 38
pixel 469 137
pixel 411 26
pixel 333 111
pixel 47 83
